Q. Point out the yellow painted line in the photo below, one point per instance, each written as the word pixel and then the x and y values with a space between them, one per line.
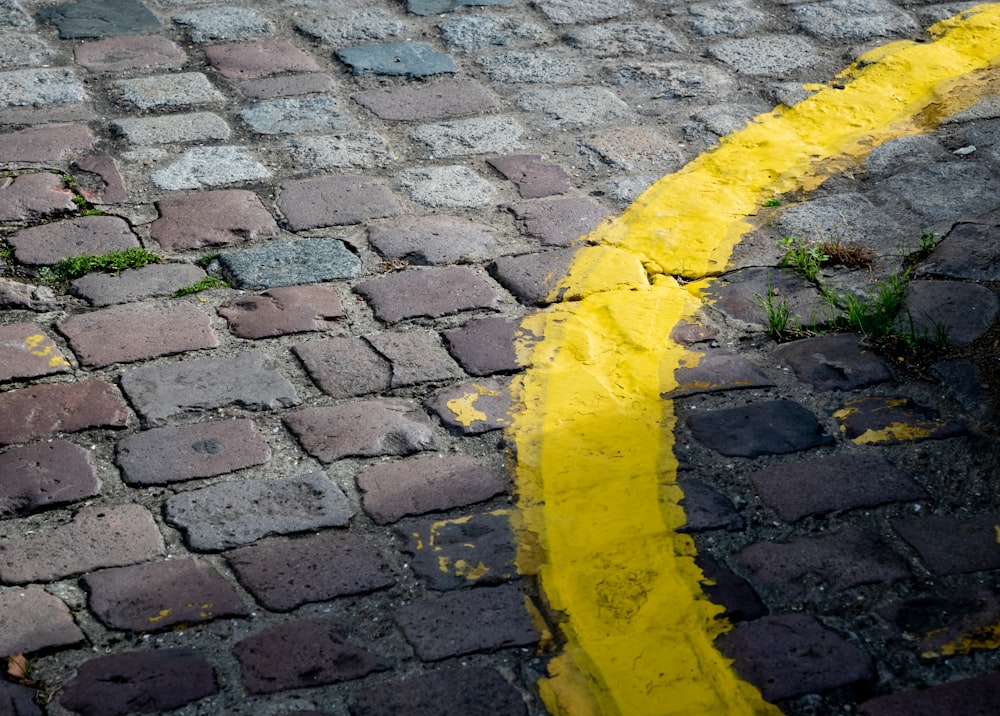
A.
pixel 596 475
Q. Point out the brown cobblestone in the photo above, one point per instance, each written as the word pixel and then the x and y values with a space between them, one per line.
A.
pixel 85 235
pixel 246 60
pixel 45 144
pixel 211 218
pixel 280 311
pixel 431 292
pixel 41 410
pixel 953 545
pixel 27 352
pixel 440 100
pixel 32 620
pixel 33 196
pixel 44 475
pixel 131 52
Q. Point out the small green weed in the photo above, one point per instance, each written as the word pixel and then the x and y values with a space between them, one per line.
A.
pixel 203 285
pixel 85 207
pixel 875 315
pixel 772 202
pixel 113 262
pixel 803 257
pixel 777 312
pixel 206 260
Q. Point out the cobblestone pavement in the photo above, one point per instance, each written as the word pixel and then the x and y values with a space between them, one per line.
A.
pixel 266 497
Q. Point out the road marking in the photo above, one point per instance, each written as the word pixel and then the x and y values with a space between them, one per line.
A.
pixel 596 475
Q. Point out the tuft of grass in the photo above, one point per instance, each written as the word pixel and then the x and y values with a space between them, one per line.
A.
pixel 875 315
pixel 803 257
pixel 203 285
pixel 777 312
pixel 85 207
pixel 772 202
pixel 113 262
pixel 206 260
pixel 853 256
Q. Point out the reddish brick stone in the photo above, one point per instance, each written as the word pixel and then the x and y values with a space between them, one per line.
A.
pixel 476 407
pixel 838 561
pixel 345 367
pixel 335 201
pixel 557 222
pixel 129 52
pixel 425 484
pixel 439 100
pixel 258 59
pixel 139 682
pixel 468 621
pixel 164 455
pixel 45 144
pixel 434 240
pixel 41 410
pixel 283 574
pixel 26 352
pixel 484 346
pixel 43 475
pixel 280 311
pixel 837 482
pixel 953 545
pixel 34 196
pixel 431 292
pixel 51 243
pixel 33 619
pixel 211 218
pixel 719 371
pixel 159 595
pixel 978 696
pixel 106 168
pixel 153 281
pixel 369 428
pixel 416 357
pixel 534 177
pixel 472 691
pixel 793 655
pixel 138 331
pixel 322 655
pixel 97 537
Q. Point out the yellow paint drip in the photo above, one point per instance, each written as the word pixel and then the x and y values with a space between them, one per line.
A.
pixel 596 475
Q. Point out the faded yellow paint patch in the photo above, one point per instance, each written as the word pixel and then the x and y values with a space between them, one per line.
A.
pixel 39 345
pixel 164 613
pixel 987 637
pixel 464 407
pixel 596 475
pixel 896 432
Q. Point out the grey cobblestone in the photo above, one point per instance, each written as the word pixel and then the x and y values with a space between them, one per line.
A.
pixel 195 127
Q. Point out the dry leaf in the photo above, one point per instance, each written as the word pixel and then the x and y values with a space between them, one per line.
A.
pixel 17 666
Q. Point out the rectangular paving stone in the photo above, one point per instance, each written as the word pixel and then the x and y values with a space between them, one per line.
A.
pixel 83 236
pixel 441 100
pixel 436 239
pixel 246 60
pixel 477 135
pixel 467 622
pixel 40 87
pixel 283 574
pixel 475 407
pixel 100 18
pixel 942 625
pixel 168 91
pixel 129 52
pixel 97 537
pixel 248 380
pixel 834 362
pixel 45 144
pixel 535 178
pixel 416 357
pixel 837 482
pixel 171 129
pixel 323 655
pixel 207 167
pixel 468 691
pixel 289 263
pixel 776 427
pixel 718 372
pixel 345 367
pixel 392 490
pixel 153 281
pixel 335 201
pixel 34 196
pixel 297 115
pixel 42 410
pixel 431 292
pixel 841 560
pixel 284 310
pixel 485 346
pixel 977 696
pixel 705 508
pixel 892 420
pixel 173 454
pixel 159 595
pixel 285 85
pixel 953 545
pixel 137 331
pixel 32 620
pixel 230 514
pixel 315 154
pixel 27 352
pixel 211 218
pixel 224 23
pixel 43 475
pixel 365 429
pixel 557 221
pixel 408 59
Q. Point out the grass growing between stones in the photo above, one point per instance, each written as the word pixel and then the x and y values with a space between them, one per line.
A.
pixel 113 262
pixel 205 284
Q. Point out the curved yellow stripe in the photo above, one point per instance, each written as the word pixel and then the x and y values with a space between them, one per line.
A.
pixel 596 475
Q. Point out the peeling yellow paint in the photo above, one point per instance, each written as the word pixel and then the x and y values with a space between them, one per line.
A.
pixel 37 345
pixel 162 615
pixel 464 407
pixel 901 432
pixel 986 637
pixel 596 475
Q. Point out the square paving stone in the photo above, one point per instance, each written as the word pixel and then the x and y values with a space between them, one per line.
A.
pixel 335 201
pixel 211 218
pixel 707 509
pixel 838 561
pixel 153 281
pixel 322 655
pixel 431 292
pixel 296 115
pixel 345 367
pixel 83 236
pixel 834 362
pixel 431 240
pixel 280 311
pixel 100 18
pixel 461 552
pixel 41 410
pixel 416 357
pixel 892 421
pixel 160 595
pixel 485 346
pixel 164 455
pixel 409 59
pixel 34 196
pixel 557 221
pixel 953 545
pixel 139 682
pixel 27 352
pixel 794 654
pixel 534 177
pixel 441 100
pixel 245 60
pixel 535 279
pixel 774 427
pixel 224 23
pixel 365 429
pixel 837 482
pixel 45 144
pixel 283 574
pixel 718 372
pixel 289 263
pixel 977 696
pixel 168 91
pixel 476 407
pixel 230 514
pixel 137 331
pixel 471 691
pixel 944 625
pixel 469 621
pixel 249 380
pixel 43 475
pixel 133 52
pixel 434 483
pixel 32 620
pixel 96 537
pixel 952 312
